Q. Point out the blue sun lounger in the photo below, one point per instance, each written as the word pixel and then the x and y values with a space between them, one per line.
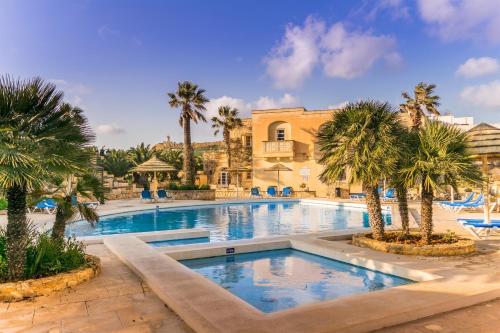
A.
pixel 163 195
pixel 48 205
pixel 146 196
pixel 479 228
pixel 477 203
pixel 287 192
pixel 254 192
pixel 466 200
pixel 271 191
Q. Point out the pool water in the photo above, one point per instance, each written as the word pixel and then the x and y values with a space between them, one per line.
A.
pixel 233 221
pixel 282 279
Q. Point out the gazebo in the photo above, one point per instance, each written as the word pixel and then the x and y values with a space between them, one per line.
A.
pixel 153 165
pixel 484 144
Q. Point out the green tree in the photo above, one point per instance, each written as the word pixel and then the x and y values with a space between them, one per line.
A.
pixel 140 154
pixel 423 100
pixel 87 186
pixel 116 162
pixel 441 159
pixel 191 100
pixel 41 137
pixel 172 157
pixel 227 121
pixel 361 138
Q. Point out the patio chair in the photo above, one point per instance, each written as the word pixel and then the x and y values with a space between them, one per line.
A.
pixel 48 205
pixel 389 195
pixel 287 192
pixel 271 192
pixel 146 196
pixel 164 195
pixel 467 199
pixel 254 192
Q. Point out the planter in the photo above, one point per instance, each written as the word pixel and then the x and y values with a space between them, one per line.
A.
pixel 192 194
pixel 461 247
pixel 17 291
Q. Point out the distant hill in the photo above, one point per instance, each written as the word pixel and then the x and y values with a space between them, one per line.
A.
pixel 197 146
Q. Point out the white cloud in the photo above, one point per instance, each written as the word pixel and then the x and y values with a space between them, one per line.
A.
pixel 106 32
pixel 397 9
pixel 266 102
pixel 342 53
pixel 478 67
pixel 294 58
pixel 338 105
pixel 484 95
pixel 215 103
pixel 462 19
pixel 109 129
pixel 74 92
pixel 350 54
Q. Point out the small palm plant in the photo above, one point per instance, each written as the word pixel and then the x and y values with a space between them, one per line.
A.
pixel 362 138
pixel 440 159
pixel 116 162
pixel 227 121
pixel 423 100
pixel 41 137
pixel 191 100
pixel 87 186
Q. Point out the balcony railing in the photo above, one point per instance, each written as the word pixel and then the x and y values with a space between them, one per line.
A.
pixel 279 148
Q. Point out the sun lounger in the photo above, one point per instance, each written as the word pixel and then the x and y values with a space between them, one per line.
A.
pixel 479 228
pixel 287 192
pixel 357 196
pixel 271 192
pixel 46 205
pixel 254 192
pixel 146 196
pixel 163 195
pixel 466 200
pixel 389 195
pixel 477 203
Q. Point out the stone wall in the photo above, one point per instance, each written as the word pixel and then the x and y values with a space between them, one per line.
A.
pixel 193 194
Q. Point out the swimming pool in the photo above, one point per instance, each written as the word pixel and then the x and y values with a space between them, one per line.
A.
pixel 282 279
pixel 233 221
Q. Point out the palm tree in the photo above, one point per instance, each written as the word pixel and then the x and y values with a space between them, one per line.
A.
pixel 441 159
pixel 87 186
pixel 117 162
pixel 172 157
pixel 41 137
pixel 423 100
pixel 141 153
pixel 362 138
pixel 191 100
pixel 227 121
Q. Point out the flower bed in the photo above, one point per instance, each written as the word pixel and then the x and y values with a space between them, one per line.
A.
pixel 440 246
pixel 17 291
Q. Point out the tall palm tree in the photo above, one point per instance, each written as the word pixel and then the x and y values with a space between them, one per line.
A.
pixel 87 186
pixel 362 138
pixel 140 153
pixel 423 100
pixel 441 159
pixel 40 137
pixel 191 100
pixel 227 121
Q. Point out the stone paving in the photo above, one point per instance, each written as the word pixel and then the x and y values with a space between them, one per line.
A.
pixel 115 301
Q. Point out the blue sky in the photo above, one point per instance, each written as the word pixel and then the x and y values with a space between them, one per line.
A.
pixel 117 59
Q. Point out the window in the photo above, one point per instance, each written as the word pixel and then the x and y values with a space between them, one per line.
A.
pixel 280 134
pixel 224 178
pixel 248 141
pixel 249 175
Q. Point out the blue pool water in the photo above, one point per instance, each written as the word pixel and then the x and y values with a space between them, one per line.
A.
pixel 282 279
pixel 232 221
pixel 185 241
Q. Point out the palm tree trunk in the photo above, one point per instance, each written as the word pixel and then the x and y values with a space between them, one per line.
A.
pixel 188 163
pixel 374 212
pixel 227 140
pixel 402 194
pixel 17 232
pixel 59 227
pixel 426 214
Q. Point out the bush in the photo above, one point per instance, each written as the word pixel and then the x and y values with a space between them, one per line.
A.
pixel 46 256
pixel 204 187
pixel 3 203
pixel 173 186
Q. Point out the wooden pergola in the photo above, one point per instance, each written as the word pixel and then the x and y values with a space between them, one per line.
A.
pixel 484 144
pixel 153 165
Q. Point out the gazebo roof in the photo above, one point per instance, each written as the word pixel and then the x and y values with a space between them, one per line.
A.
pixel 278 167
pixel 152 165
pixel 484 139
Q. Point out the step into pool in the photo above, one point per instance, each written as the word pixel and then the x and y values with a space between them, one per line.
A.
pixel 282 279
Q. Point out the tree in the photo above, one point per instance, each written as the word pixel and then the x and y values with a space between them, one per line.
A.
pixel 227 121
pixel 117 162
pixel 423 100
pixel 440 159
pixel 140 154
pixel 87 186
pixel 191 100
pixel 172 157
pixel 362 138
pixel 41 137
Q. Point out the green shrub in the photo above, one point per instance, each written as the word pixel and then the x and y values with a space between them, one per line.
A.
pixel 173 186
pixel 204 187
pixel 3 203
pixel 46 256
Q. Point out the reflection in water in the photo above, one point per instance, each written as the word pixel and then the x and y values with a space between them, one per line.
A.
pixel 231 222
pixel 281 279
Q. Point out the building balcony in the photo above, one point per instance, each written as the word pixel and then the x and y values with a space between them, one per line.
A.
pixel 278 148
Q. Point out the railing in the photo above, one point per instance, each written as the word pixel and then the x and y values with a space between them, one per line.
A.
pixel 279 147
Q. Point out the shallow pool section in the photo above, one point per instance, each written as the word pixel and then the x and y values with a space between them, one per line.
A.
pixel 282 279
pixel 184 241
pixel 233 221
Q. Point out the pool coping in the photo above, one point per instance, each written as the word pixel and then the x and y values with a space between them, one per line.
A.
pixel 206 307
